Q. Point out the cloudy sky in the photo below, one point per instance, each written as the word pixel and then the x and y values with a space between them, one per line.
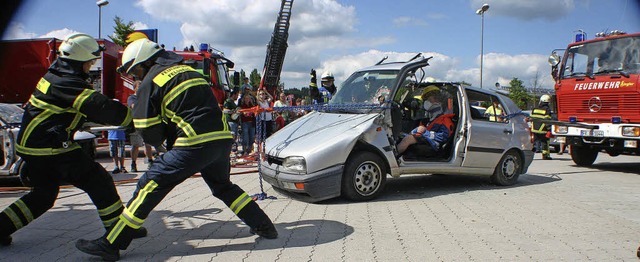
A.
pixel 344 35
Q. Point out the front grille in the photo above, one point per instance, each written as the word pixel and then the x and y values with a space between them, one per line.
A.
pixel 625 105
pixel 274 160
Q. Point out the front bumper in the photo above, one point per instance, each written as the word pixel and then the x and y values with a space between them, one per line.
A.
pixel 314 187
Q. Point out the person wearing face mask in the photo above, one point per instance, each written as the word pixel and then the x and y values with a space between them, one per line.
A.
pixel 434 129
pixel 431 104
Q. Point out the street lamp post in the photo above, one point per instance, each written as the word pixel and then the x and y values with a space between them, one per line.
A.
pixel 480 12
pixel 100 4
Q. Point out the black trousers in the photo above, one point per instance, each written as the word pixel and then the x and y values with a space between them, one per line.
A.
pixel 174 167
pixel 46 174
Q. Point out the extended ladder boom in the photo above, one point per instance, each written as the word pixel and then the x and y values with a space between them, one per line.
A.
pixel 277 49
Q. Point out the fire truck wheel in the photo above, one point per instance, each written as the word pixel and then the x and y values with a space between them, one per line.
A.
pixel 583 156
pixel 508 169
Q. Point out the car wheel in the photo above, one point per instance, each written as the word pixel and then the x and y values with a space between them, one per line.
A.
pixel 508 169
pixel 583 156
pixel 364 177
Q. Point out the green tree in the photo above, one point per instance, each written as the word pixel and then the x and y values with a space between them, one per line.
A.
pixel 122 30
pixel 518 94
pixel 255 78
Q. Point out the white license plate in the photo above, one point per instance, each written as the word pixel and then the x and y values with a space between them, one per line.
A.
pixel 595 133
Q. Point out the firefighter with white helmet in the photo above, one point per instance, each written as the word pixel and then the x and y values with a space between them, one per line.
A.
pixel 61 102
pixel 175 103
pixel 541 130
pixel 328 82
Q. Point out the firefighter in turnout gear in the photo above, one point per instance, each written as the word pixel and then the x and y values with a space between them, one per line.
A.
pixel 61 102
pixel 175 103
pixel 541 131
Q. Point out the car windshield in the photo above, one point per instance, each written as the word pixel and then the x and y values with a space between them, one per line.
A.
pixel 366 87
pixel 603 57
pixel 11 114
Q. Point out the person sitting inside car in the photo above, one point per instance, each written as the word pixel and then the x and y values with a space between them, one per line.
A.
pixel 434 130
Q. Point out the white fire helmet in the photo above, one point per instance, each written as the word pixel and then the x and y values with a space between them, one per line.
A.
pixel 80 47
pixel 138 52
pixel 545 99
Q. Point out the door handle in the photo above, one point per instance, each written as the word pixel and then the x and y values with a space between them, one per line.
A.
pixel 507 131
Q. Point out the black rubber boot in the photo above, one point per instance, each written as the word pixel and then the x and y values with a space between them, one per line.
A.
pixel 140 233
pixel 266 230
pixel 99 247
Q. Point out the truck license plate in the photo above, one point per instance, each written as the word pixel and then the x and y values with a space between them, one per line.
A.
pixel 594 133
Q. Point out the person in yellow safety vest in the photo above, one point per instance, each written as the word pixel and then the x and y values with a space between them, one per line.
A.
pixel 539 128
pixel 494 112
pixel 175 103
pixel 61 103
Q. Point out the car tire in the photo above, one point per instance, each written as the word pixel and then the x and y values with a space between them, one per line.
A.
pixel 364 176
pixel 508 169
pixel 22 173
pixel 583 156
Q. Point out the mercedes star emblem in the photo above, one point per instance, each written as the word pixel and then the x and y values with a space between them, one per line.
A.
pixel 595 104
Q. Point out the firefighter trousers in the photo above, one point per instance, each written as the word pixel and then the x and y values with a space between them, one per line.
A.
pixel 541 143
pixel 46 174
pixel 174 167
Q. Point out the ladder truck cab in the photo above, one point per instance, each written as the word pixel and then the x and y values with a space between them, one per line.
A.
pixel 597 86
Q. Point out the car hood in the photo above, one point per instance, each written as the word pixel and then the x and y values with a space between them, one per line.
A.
pixel 323 139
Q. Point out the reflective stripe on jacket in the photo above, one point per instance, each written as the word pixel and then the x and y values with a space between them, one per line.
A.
pixel 538 114
pixel 60 104
pixel 176 103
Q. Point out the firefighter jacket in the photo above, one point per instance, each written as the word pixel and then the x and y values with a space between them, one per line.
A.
pixel 62 101
pixel 543 112
pixel 175 103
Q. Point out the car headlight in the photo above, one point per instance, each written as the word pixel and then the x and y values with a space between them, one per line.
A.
pixel 295 163
pixel 561 129
pixel 631 131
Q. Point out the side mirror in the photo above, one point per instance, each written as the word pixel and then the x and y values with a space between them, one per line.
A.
pixel 206 66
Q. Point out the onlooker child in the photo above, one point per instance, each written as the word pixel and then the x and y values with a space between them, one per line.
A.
pixel 116 149
pixel 134 138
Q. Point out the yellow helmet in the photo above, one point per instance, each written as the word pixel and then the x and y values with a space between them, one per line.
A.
pixel 134 36
pixel 138 52
pixel 80 47
pixel 430 90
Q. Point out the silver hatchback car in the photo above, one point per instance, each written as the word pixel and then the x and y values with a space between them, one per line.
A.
pixel 348 146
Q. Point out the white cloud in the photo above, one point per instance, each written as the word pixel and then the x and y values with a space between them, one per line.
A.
pixel 527 9
pixel 403 21
pixel 17 31
pixel 60 34
pixel 140 25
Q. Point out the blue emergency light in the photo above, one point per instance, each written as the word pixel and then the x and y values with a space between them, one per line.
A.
pixel 573 119
pixel 581 37
pixel 204 47
pixel 616 120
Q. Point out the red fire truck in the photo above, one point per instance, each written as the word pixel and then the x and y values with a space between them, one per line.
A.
pixel 597 86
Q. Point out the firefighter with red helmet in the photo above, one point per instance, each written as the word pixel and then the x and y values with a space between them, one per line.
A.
pixel 175 103
pixel 61 102
pixel 541 130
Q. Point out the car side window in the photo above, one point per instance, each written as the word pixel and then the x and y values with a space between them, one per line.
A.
pixel 484 107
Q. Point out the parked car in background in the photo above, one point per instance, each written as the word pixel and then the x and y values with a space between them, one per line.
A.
pixel 348 147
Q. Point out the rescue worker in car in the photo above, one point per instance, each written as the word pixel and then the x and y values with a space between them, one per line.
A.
pixel 61 102
pixel 328 83
pixel 539 128
pixel 434 130
pixel 175 103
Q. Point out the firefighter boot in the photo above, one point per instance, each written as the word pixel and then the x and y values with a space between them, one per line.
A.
pixel 546 157
pixel 99 247
pixel 5 241
pixel 248 211
pixel 139 233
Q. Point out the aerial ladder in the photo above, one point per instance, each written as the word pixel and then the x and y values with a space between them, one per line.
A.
pixel 276 49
